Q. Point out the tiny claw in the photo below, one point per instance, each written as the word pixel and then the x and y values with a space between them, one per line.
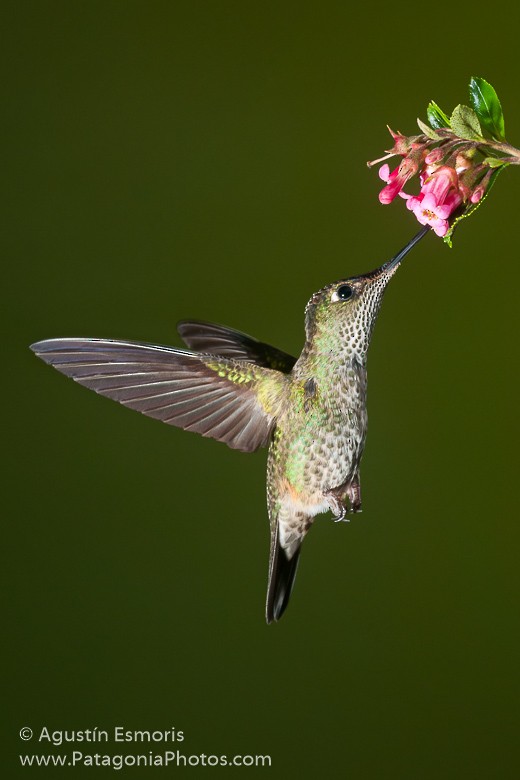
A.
pixel 343 517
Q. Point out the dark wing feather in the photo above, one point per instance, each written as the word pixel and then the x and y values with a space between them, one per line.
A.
pixel 211 396
pixel 219 340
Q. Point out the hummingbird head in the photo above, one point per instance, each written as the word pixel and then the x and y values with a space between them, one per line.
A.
pixel 340 317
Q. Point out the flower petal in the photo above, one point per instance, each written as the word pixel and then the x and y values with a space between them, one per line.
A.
pixel 413 201
pixel 441 227
pixel 384 172
pixel 429 201
pixel 443 212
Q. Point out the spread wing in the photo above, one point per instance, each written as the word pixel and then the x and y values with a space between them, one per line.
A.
pixel 219 340
pixel 227 400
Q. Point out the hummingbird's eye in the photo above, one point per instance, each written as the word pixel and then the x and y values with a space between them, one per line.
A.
pixel 344 292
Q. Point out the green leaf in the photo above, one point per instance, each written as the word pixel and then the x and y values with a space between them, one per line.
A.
pixel 493 162
pixel 436 116
pixel 485 101
pixel 464 123
pixel 472 207
pixel 428 131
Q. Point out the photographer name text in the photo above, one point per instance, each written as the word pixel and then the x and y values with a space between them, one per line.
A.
pixel 59 737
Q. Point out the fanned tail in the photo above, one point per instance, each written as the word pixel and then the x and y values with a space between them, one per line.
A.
pixel 281 581
pixel 287 534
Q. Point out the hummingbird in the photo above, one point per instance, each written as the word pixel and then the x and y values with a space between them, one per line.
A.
pixel 310 412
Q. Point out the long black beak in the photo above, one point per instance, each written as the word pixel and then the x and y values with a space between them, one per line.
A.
pixel 404 251
pixel 391 265
pixel 394 262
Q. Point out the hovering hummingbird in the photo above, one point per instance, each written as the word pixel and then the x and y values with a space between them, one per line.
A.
pixel 310 411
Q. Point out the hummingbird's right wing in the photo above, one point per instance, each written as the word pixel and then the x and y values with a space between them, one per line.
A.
pixel 219 340
pixel 228 400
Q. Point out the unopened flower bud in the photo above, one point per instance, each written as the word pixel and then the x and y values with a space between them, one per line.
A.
pixel 434 156
pixel 479 191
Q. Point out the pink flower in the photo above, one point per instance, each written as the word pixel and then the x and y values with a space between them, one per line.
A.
pixel 441 182
pixel 428 212
pixel 438 198
pixel 395 180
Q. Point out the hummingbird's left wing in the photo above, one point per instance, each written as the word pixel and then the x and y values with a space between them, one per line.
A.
pixel 220 340
pixel 228 400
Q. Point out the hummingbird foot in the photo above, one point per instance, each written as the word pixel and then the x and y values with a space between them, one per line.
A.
pixel 337 506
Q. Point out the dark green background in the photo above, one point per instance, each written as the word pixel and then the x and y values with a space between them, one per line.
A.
pixel 207 159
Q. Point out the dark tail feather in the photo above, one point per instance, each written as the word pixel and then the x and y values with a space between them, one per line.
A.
pixel 281 580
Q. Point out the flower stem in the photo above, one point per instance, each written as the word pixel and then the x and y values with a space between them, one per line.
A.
pixel 512 152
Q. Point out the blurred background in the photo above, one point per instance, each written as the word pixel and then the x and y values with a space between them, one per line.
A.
pixel 207 160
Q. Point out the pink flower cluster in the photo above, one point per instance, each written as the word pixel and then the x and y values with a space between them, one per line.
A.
pixel 438 198
pixel 448 175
